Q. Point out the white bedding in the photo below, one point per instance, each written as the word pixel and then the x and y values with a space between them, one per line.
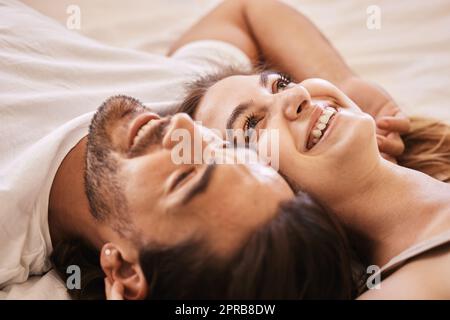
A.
pixel 409 56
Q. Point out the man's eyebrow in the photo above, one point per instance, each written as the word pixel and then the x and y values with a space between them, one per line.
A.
pixel 240 109
pixel 201 185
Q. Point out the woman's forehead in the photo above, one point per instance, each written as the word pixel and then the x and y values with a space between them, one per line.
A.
pixel 223 97
pixel 231 90
pixel 236 82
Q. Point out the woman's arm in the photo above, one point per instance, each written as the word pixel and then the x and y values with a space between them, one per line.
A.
pixel 280 35
pixel 286 40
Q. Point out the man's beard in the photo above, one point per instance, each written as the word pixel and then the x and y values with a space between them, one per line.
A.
pixel 109 114
pixel 103 183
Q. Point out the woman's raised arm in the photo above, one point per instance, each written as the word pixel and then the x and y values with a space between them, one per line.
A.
pixel 274 32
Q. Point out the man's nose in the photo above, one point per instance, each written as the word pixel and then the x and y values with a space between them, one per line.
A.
pixel 192 138
pixel 181 127
pixel 293 101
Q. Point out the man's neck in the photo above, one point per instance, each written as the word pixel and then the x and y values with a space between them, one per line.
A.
pixel 396 208
pixel 69 215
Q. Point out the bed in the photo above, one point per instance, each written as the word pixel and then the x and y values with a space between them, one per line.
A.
pixel 409 55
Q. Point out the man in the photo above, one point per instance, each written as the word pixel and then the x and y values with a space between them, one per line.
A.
pixel 149 220
pixel 46 109
pixel 120 190
pixel 48 94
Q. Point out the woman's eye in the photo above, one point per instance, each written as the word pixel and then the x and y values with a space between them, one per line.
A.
pixel 250 128
pixel 281 83
pixel 251 122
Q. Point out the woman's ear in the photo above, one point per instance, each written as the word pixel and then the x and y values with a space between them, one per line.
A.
pixel 128 273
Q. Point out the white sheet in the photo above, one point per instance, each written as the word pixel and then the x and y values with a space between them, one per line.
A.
pixel 47 287
pixel 409 56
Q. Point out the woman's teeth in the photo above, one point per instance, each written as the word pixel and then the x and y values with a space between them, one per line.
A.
pixel 321 126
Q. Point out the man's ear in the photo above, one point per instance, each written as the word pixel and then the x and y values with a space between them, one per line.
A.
pixel 128 273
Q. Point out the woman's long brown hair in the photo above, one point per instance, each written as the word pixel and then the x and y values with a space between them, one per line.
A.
pixel 427 148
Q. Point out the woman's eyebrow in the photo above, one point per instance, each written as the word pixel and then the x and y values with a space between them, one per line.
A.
pixel 241 108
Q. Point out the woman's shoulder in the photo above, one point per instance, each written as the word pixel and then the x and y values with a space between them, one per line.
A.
pixel 425 277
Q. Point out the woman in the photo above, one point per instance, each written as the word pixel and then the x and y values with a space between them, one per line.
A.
pixel 330 148
pixel 272 34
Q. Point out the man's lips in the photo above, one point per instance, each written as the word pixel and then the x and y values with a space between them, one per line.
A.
pixel 137 124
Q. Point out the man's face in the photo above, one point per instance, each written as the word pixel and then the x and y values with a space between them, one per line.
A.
pixel 131 167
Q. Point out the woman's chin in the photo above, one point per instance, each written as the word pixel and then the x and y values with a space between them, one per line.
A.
pixel 351 150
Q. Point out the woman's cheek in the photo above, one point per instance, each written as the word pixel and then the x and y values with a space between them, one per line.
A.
pixel 270 146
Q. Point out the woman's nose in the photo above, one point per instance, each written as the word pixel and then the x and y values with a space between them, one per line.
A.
pixel 295 100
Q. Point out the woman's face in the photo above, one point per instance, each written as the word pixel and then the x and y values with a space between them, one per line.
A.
pixel 325 140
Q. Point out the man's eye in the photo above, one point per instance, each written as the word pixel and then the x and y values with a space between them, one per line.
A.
pixel 181 178
pixel 281 83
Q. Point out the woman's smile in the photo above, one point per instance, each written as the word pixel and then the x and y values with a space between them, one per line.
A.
pixel 319 124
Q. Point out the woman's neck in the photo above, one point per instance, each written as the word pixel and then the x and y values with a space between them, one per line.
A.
pixel 395 207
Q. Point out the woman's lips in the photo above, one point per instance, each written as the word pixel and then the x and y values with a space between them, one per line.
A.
pixel 319 124
pixel 320 127
pixel 317 112
pixel 137 124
